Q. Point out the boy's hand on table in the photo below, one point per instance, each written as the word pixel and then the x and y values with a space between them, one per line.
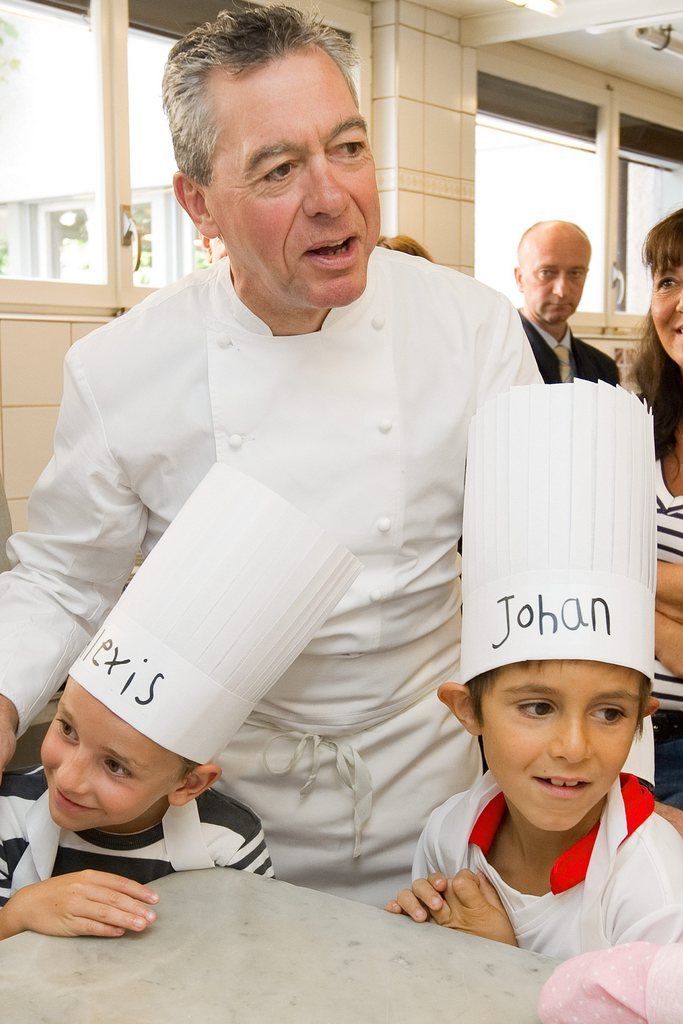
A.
pixel 80 903
pixel 424 897
pixel 471 904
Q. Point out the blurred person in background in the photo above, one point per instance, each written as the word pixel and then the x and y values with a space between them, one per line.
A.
pixel 553 259
pixel 658 373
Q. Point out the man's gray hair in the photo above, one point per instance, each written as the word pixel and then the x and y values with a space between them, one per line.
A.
pixel 236 41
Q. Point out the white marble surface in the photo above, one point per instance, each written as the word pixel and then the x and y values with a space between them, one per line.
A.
pixel 232 948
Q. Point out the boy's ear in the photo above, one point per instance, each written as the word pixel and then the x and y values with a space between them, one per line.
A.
pixel 457 698
pixel 198 780
pixel 651 706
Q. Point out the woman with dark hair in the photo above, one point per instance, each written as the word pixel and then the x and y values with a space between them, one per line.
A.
pixel 658 373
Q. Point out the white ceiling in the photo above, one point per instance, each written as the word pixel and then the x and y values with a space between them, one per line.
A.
pixel 615 51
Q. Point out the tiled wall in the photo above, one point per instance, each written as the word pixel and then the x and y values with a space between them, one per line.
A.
pixel 31 356
pixel 423 116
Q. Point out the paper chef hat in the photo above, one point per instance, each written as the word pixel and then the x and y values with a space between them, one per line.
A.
pixel 228 598
pixel 559 555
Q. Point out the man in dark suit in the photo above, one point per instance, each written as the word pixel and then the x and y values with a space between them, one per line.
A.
pixel 553 258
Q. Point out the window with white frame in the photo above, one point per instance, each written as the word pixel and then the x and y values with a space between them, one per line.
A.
pixel 535 160
pixel 596 156
pixel 650 187
pixel 51 203
pixel 88 219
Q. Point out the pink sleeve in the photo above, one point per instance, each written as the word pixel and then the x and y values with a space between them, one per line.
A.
pixel 600 988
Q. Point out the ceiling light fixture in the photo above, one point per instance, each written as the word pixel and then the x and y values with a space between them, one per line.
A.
pixel 551 7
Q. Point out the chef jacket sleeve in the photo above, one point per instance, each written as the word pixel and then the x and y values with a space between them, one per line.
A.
pixel 503 352
pixel 85 526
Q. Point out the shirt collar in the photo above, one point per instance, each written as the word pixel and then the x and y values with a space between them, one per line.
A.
pixel 571 866
pixel 566 340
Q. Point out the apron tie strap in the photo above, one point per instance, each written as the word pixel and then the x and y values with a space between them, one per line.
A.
pixel 351 769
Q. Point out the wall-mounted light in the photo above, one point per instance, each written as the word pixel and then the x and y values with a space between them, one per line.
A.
pixel 551 7
pixel 661 38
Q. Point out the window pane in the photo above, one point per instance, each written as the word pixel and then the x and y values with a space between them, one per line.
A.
pixel 650 187
pixel 51 224
pixel 167 235
pixel 523 176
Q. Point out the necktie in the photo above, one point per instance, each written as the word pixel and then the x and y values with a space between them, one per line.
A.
pixel 563 358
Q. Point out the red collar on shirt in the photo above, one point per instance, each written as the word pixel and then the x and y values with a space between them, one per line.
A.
pixel 571 866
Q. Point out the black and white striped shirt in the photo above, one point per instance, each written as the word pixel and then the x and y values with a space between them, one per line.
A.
pixel 232 833
pixel 668 687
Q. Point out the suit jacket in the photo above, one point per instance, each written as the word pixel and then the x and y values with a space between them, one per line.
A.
pixel 590 362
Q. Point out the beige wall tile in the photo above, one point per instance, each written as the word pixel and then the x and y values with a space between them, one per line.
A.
pixel 443 79
pixel 442 25
pixel 388 212
pixel 27 447
pixel 410 134
pixel 442 229
pixel 384 12
pixel 18 510
pixel 467 233
pixel 411 215
pixel 32 361
pixel 80 329
pixel 411 63
pixel 442 141
pixel 468 64
pixel 383 61
pixel 411 14
pixel 467 146
pixel 384 132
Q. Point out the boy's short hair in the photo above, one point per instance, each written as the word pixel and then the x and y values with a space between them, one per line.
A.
pixel 187 766
pixel 483 682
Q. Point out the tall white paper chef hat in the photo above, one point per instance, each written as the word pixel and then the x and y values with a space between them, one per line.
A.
pixel 228 598
pixel 559 550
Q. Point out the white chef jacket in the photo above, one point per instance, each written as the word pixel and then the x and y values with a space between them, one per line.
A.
pixel 363 426
pixel 627 887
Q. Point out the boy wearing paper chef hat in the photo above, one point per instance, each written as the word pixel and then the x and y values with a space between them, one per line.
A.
pixel 553 849
pixel 225 602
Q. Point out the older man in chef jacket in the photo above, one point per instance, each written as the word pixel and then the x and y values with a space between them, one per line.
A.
pixel 341 376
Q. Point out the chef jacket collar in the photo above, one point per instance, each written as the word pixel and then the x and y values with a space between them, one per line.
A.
pixel 254 325
pixel 571 867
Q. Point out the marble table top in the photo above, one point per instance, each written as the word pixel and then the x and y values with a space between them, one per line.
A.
pixel 233 948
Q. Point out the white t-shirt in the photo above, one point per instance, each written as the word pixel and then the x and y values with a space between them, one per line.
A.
pixel 622 883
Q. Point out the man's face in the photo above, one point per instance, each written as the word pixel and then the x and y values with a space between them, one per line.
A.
pixel 101 772
pixel 556 735
pixel 293 192
pixel 553 263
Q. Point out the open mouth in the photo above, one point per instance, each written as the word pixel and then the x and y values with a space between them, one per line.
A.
pixel 555 784
pixel 333 249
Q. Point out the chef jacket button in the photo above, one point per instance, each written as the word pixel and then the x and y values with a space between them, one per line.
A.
pixel 225 341
pixel 378 322
pixel 385 426
pixel 376 595
pixel 384 524
pixel 235 440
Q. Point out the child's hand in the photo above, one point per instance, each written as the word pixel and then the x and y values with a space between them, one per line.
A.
pixel 80 903
pixel 425 893
pixel 471 904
